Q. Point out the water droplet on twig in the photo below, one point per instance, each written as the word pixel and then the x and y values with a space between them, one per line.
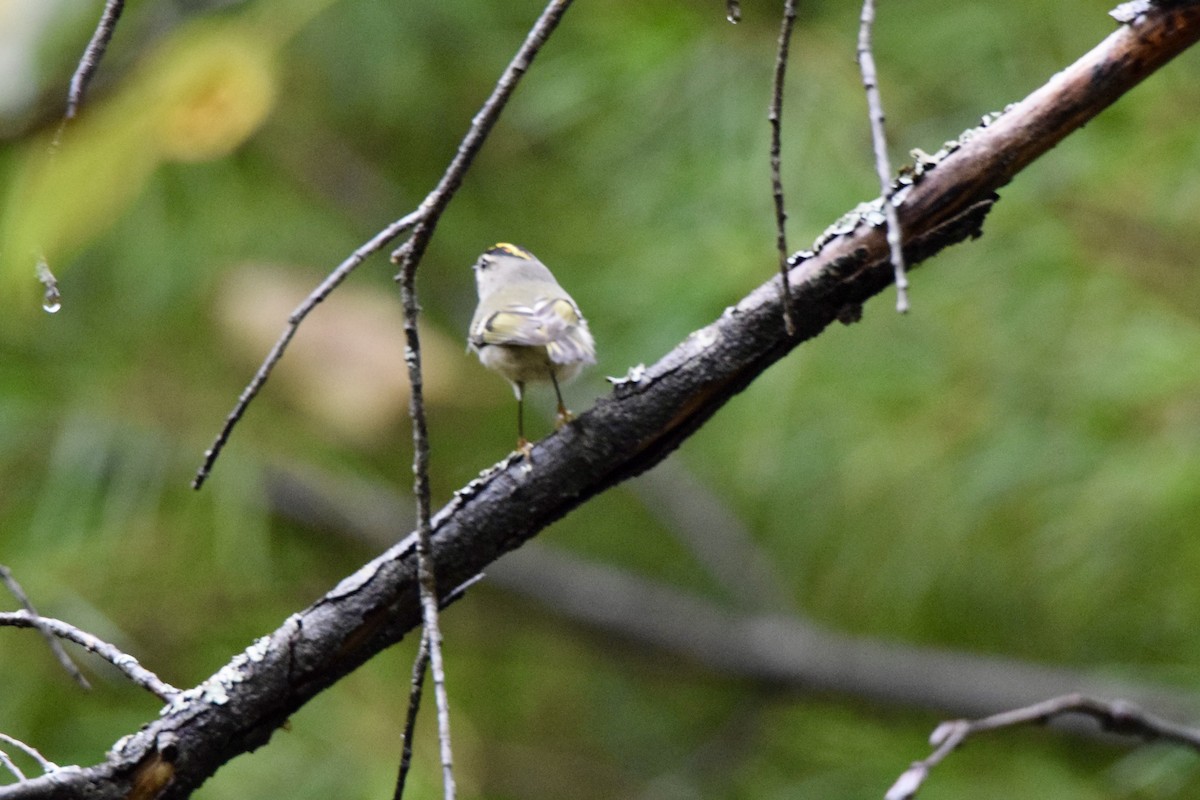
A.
pixel 51 300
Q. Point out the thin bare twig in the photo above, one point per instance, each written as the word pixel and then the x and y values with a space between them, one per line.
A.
pixel 122 661
pixel 1116 716
pixel 92 55
pixel 410 721
pixel 866 61
pixel 8 764
pixel 374 245
pixel 773 116
pixel 426 571
pixel 14 588
pixel 89 62
pixel 482 123
pixel 46 764
pixel 409 255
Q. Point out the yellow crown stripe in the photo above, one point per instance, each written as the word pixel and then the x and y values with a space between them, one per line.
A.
pixel 510 249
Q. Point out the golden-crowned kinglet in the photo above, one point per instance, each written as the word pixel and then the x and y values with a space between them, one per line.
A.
pixel 527 327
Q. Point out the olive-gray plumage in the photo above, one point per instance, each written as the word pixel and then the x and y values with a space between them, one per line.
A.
pixel 526 327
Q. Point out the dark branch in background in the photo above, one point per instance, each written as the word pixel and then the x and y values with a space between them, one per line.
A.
pixel 14 588
pixel 866 61
pixel 760 641
pixel 127 664
pixel 650 413
pixel 716 537
pixel 343 270
pixel 773 114
pixel 1115 716
pixel 791 651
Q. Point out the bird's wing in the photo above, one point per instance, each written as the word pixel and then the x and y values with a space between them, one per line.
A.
pixel 552 323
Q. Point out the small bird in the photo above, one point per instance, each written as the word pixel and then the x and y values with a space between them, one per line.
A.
pixel 527 327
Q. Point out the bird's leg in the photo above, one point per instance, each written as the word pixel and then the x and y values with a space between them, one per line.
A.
pixel 563 416
pixel 523 444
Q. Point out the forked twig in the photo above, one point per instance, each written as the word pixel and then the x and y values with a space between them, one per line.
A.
pixel 374 245
pixel 1116 716
pixel 14 588
pixel 126 663
pixel 424 219
pixel 46 764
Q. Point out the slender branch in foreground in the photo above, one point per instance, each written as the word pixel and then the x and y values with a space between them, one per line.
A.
pixel 14 588
pixel 773 116
pixel 1115 716
pixel 426 569
pixel 648 414
pixel 410 721
pixel 343 270
pixel 127 664
pixel 866 61
pixel 409 256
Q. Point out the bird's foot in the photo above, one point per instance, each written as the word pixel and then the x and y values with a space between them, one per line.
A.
pixel 562 417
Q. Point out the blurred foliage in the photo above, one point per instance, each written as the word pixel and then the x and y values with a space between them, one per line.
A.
pixel 1012 468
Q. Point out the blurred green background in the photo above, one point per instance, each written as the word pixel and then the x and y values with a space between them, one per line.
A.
pixel 1011 469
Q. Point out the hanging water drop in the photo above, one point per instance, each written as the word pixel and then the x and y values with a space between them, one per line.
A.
pixel 51 300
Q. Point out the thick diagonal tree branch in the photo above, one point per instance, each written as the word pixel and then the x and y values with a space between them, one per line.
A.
pixel 647 416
